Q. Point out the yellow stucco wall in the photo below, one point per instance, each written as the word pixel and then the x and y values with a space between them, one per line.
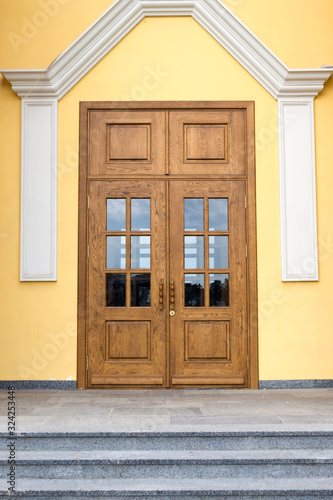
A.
pixel 38 320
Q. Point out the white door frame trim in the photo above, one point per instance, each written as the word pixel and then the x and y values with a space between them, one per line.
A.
pixel 40 90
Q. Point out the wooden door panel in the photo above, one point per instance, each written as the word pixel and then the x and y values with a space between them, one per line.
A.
pixel 208 142
pixel 126 340
pixel 208 342
pixel 127 143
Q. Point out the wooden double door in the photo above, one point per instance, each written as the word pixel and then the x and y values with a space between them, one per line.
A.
pixel 166 269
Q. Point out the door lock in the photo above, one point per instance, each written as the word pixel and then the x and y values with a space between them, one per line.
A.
pixel 172 313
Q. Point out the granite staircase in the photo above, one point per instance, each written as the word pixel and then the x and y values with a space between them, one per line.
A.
pixel 169 465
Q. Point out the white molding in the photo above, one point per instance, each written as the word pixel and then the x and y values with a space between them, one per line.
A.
pixel 39 190
pixel 299 255
pixel 62 74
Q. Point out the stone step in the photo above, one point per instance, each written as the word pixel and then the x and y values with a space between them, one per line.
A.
pixel 169 464
pixel 168 489
pixel 238 440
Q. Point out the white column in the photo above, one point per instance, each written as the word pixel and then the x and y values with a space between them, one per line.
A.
pixel 299 254
pixel 39 190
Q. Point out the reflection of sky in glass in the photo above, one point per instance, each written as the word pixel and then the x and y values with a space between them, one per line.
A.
pixel 195 280
pixel 116 252
pixel 194 252
pixel 218 214
pixel 140 252
pixel 218 252
pixel 193 214
pixel 116 215
pixel 140 214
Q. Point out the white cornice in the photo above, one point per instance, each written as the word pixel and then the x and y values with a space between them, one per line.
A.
pixel 63 73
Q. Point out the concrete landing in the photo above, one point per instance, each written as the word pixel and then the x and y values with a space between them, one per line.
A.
pixel 191 410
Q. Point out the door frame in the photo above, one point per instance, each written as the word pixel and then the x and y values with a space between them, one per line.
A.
pixel 251 231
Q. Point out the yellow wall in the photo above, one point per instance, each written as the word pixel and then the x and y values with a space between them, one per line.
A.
pixel 38 320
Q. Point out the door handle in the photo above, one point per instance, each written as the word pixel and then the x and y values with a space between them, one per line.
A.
pixel 161 294
pixel 172 294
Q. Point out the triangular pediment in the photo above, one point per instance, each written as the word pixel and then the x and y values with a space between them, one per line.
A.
pixel 62 74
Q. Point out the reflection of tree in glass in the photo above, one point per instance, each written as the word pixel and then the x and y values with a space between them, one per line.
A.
pixel 116 290
pixel 143 299
pixel 219 293
pixel 194 295
pixel 140 290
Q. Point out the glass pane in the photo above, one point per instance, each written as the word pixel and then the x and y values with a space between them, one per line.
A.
pixel 194 290
pixel 115 290
pixel 140 252
pixel 218 252
pixel 193 214
pixel 116 252
pixel 140 290
pixel 116 215
pixel 140 214
pixel 219 290
pixel 218 214
pixel 194 252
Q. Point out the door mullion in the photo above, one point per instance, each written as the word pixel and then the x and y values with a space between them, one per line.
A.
pixel 128 251
pixel 167 281
pixel 206 245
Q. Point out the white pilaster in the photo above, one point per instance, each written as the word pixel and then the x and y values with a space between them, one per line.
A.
pixel 299 255
pixel 39 190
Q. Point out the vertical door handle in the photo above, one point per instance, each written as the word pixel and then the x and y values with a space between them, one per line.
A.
pixel 161 294
pixel 172 294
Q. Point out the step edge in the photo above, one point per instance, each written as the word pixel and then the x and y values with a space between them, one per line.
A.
pixel 118 462
pixel 217 491
pixel 176 434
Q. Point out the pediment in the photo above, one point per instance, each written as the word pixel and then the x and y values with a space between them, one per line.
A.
pixel 63 73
